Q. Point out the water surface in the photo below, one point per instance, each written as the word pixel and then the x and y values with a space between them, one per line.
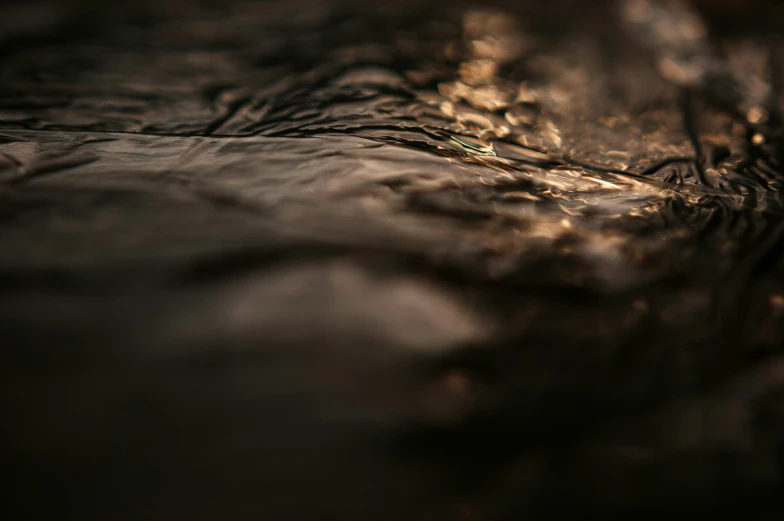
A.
pixel 351 260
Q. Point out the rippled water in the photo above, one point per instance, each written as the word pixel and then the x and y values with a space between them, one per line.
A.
pixel 407 260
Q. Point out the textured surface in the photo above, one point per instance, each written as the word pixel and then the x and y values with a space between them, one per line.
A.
pixel 331 260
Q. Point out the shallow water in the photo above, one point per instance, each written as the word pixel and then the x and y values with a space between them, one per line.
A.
pixel 460 260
